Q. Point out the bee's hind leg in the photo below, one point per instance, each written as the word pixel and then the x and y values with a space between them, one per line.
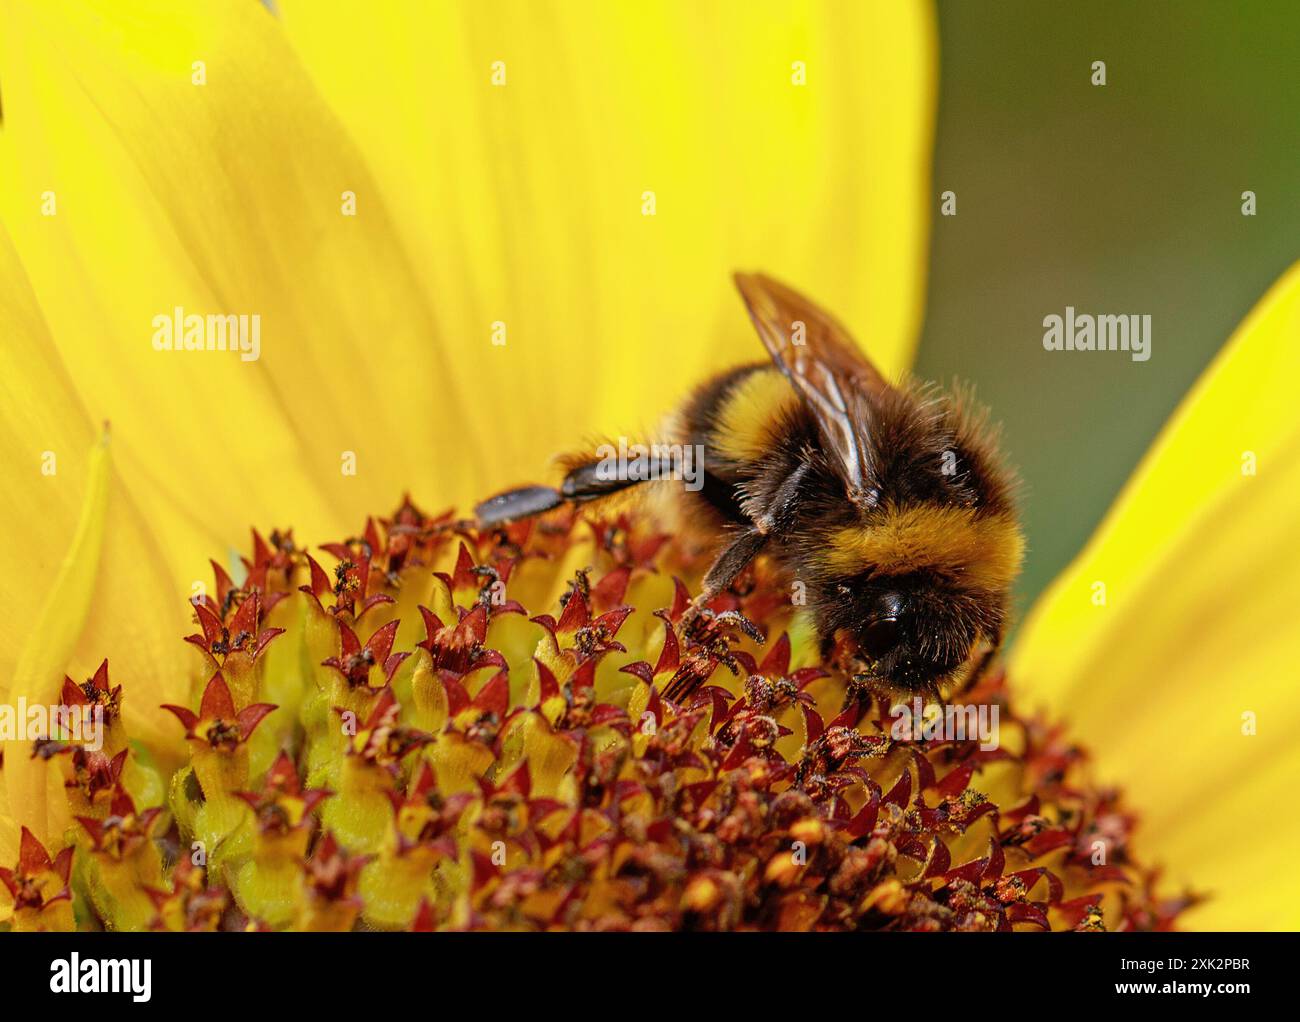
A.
pixel 515 504
pixel 593 481
pixel 584 483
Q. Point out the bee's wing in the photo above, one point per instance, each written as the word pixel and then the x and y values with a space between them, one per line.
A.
pixel 827 369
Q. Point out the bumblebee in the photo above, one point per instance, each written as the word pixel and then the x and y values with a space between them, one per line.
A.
pixel 890 503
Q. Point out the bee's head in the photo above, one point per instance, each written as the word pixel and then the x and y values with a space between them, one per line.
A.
pixel 918 589
pixel 921 575
pixel 916 631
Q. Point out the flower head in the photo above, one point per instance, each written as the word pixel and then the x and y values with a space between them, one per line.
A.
pixel 553 750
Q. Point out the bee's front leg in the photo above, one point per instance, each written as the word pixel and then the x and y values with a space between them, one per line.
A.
pixel 778 512
pixel 733 559
pixel 771 519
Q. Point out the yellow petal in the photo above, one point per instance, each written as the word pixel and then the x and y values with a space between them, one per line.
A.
pixel 44 438
pixel 1196 644
pixel 81 547
pixel 524 203
pixel 49 646
pixel 219 197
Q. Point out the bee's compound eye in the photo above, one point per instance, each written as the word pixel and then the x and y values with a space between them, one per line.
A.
pixel 880 636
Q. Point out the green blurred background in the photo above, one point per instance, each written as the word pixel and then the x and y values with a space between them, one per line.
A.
pixel 1123 198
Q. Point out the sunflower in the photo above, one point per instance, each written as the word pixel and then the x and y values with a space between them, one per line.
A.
pixel 462 236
